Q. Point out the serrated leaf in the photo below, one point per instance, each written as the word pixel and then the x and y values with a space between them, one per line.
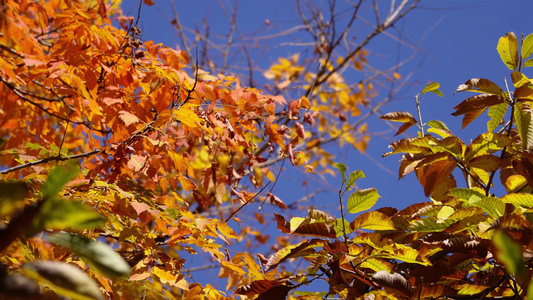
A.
pixel 493 206
pixel 519 79
pixel 432 87
pixel 476 103
pixel 528 63
pixel 362 200
pixel 438 125
pixel 519 199
pixel 527 46
pixel 508 50
pixel 488 163
pixel 353 178
pixel 98 255
pixel 405 146
pixel 399 116
pixel 486 143
pixel 480 85
pixel 496 114
pixel 339 227
pixel 509 252
pixel 57 178
pixel 523 93
pixel 342 168
pixel 470 289
pixel 514 183
pixel 523 119
pixel 464 193
pixel 393 281
pixel 372 220
pixel 65 279
pixel 430 224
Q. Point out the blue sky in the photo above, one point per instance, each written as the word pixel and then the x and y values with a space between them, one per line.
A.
pixel 457 41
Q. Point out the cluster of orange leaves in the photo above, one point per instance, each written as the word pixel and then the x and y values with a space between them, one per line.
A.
pixel 153 138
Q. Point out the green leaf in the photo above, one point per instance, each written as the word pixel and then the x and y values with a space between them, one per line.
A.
pixel 339 228
pixel 496 114
pixel 493 206
pixel 362 200
pixel 430 224
pixel 353 177
pixel 63 214
pixel 509 252
pixel 508 50
pixel 524 124
pixel 432 87
pixel 98 255
pixel 518 199
pixel 342 168
pixel 65 279
pixel 57 178
pixel 528 63
pixel 464 193
pixel 527 46
pixel 486 143
pixel 12 195
pixel 438 125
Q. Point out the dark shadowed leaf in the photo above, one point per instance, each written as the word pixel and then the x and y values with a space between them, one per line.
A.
pixel 11 196
pixel 257 287
pixel 508 50
pixel 393 281
pixel 65 279
pixel 524 93
pixel 98 255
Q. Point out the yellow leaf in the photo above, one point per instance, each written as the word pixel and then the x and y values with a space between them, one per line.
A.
pixel 187 116
pixel 226 230
pixel 186 183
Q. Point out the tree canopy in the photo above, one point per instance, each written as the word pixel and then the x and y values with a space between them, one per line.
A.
pixel 123 160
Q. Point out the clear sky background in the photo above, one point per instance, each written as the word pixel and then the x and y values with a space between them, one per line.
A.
pixel 457 41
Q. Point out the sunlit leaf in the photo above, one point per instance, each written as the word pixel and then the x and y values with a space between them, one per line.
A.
pixel 65 279
pixel 523 119
pixel 353 178
pixel 493 206
pixel 518 199
pixel 341 168
pixel 98 255
pixel 399 116
pixel 478 102
pixel 519 80
pixel 527 46
pixel 486 143
pixel 362 200
pixel 496 114
pixel 372 220
pixel 528 63
pixel 509 252
pixel 432 87
pixel 470 289
pixel 438 125
pixel 481 85
pixel 405 146
pixel 508 50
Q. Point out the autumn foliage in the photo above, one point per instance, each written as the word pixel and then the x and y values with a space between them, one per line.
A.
pixel 122 159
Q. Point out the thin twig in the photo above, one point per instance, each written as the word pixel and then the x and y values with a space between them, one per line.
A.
pixel 246 203
pixel 48 159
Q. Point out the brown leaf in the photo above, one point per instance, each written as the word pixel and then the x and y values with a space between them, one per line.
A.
pixel 478 102
pixel 393 281
pixel 480 85
pixel 257 287
pixel 399 116
pixel 276 201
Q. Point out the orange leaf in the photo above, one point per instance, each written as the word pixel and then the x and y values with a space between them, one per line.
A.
pixel 128 117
